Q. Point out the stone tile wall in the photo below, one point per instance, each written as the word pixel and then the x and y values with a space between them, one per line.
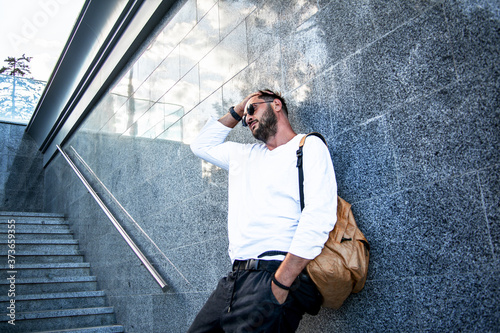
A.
pixel 406 93
pixel 21 171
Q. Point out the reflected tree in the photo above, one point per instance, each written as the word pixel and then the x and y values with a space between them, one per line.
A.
pixel 131 125
pixel 17 66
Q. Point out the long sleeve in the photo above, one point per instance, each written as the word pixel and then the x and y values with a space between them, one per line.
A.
pixel 210 146
pixel 320 196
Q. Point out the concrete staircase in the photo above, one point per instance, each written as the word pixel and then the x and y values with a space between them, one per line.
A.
pixel 45 286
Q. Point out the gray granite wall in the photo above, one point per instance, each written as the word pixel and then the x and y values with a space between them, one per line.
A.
pixel 406 93
pixel 21 171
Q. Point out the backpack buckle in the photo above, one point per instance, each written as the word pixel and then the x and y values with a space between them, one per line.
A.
pixel 299 157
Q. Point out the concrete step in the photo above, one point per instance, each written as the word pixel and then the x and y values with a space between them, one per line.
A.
pixel 20 215
pixel 56 301
pixel 39 220
pixel 31 218
pixel 19 243
pixel 49 270
pixel 26 236
pixel 34 228
pixel 45 234
pixel 26 286
pixel 29 236
pixel 47 248
pixel 60 319
pixel 99 329
pixel 40 241
pixel 33 257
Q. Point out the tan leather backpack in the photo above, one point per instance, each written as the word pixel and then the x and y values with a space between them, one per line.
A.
pixel 342 266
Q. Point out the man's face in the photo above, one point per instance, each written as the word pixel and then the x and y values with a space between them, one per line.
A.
pixel 263 123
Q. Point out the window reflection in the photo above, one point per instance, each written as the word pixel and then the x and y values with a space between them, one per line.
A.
pixel 160 97
pixel 18 98
pixel 160 118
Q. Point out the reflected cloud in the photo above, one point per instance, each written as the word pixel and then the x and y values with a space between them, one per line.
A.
pixel 203 38
pixel 160 118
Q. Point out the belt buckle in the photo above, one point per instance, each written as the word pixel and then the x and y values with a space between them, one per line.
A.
pixel 252 264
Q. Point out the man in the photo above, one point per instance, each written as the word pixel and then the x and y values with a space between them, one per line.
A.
pixel 270 239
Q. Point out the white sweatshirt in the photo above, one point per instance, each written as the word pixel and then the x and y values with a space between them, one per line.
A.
pixel 264 205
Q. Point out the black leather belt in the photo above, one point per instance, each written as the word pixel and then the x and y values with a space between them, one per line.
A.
pixel 256 265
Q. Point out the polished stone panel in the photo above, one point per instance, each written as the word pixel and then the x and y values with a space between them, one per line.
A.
pixel 209 257
pixel 21 170
pixel 452 131
pixel 427 229
pixel 262 31
pixel 231 14
pixel 169 310
pixel 337 31
pixel 193 122
pixel 307 110
pixel 154 121
pixel 223 62
pixel 382 306
pixel 490 183
pixel 467 302
pixel 293 13
pixel 161 79
pixel 185 94
pixel 4 137
pixel 201 40
pixel 264 73
pixel 202 7
pixel 363 161
pixel 393 310
pixel 474 26
pixel 325 40
pixel 141 70
pixel 104 111
pixel 125 119
pixel 139 320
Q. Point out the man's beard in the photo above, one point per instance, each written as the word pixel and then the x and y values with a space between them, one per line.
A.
pixel 267 126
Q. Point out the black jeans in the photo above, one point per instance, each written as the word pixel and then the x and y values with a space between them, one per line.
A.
pixel 243 302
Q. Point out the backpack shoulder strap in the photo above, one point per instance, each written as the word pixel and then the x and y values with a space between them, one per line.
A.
pixel 303 140
pixel 299 165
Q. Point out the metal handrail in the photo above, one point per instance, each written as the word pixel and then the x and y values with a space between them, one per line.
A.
pixel 115 222
pixel 101 184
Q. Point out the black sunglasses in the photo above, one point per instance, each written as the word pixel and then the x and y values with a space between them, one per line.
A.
pixel 251 111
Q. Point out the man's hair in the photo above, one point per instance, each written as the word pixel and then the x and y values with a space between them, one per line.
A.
pixel 269 95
